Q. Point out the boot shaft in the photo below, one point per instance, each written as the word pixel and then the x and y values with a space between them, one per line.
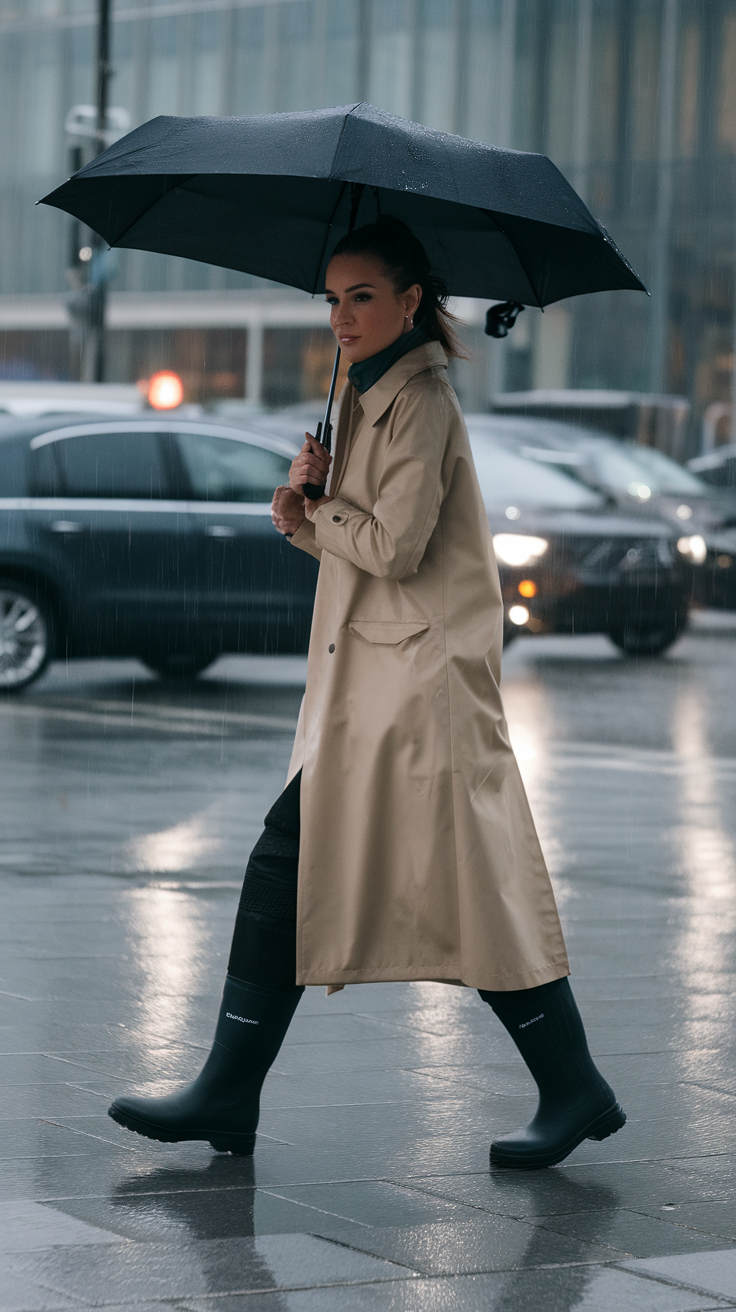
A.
pixel 253 1020
pixel 548 1031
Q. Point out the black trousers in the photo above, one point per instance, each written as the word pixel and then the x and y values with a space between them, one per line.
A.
pixel 263 949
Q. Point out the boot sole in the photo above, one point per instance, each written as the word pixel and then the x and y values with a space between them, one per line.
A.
pixel 609 1122
pixel 240 1145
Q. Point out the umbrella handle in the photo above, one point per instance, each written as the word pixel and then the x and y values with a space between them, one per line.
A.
pixel 324 432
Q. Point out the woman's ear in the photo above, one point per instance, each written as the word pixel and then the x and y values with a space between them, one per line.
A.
pixel 412 297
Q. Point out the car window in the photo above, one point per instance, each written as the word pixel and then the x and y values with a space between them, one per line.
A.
pixel 44 476
pixel 226 469
pixel 507 478
pixel 122 465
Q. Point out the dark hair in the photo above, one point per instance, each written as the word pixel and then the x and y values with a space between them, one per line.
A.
pixel 406 263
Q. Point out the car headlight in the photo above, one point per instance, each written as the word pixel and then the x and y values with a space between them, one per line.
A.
pixel 518 614
pixel 517 548
pixel 693 547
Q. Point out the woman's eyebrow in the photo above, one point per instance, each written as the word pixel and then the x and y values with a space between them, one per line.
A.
pixel 356 287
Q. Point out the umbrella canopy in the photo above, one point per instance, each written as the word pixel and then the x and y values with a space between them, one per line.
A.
pixel 272 194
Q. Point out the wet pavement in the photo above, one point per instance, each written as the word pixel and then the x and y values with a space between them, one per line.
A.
pixel 128 809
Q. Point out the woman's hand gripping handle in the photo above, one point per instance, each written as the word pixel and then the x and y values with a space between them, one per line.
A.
pixel 291 504
pixel 309 471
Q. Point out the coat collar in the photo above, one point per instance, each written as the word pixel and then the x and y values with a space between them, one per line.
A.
pixel 376 401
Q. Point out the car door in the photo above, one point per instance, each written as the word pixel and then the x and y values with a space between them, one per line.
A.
pixel 106 505
pixel 253 587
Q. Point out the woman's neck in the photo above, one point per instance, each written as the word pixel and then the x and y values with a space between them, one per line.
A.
pixel 366 373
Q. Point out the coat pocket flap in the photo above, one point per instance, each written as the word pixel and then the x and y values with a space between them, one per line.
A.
pixel 388 632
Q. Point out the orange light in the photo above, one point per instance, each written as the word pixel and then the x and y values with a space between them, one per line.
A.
pixel 165 390
pixel 528 588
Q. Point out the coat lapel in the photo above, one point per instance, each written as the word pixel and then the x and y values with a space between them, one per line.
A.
pixel 376 401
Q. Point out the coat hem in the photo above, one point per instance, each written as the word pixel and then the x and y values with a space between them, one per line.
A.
pixel 441 974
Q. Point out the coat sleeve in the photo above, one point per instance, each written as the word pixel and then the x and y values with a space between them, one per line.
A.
pixel 305 539
pixel 390 541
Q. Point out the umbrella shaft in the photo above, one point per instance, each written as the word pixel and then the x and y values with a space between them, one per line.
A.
pixel 327 428
pixel 324 430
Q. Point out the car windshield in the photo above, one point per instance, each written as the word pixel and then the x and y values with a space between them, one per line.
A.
pixel 623 467
pixel 604 462
pixel 509 479
pixel 664 476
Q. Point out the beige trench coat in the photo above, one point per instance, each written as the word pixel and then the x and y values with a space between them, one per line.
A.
pixel 418 858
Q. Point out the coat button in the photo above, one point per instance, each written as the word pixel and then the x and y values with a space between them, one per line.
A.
pixel 331 648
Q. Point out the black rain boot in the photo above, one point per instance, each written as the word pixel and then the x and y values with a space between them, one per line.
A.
pixel 575 1102
pixel 222 1104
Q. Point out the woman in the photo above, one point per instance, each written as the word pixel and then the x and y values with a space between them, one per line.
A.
pixel 404 810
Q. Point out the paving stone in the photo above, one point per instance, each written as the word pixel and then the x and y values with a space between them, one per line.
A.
pixel 136 1272
pixel 584 1289
pixel 713 1272
pixel 27 1227
pixel 633 1232
pixel 490 1243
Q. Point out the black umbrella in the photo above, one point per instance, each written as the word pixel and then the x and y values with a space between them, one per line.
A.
pixel 272 194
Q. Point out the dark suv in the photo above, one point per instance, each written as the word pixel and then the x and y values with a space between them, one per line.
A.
pixel 571 561
pixel 148 537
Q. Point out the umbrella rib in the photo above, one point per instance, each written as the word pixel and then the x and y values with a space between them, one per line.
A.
pixel 327 237
pixel 338 143
pixel 489 214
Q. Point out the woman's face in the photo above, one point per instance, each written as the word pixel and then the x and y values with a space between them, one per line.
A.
pixel 367 313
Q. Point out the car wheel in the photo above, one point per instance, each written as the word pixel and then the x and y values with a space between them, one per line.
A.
pixel 179 667
pixel 26 635
pixel 648 638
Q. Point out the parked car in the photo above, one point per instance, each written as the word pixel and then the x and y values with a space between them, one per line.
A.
pixel 570 561
pixel 149 537
pixel 644 482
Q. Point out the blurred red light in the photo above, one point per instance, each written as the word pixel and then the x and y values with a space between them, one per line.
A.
pixel 165 390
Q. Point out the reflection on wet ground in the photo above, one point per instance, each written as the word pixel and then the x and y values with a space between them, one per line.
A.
pixel 128 811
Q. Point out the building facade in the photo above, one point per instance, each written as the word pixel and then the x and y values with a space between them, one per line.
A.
pixel 634 100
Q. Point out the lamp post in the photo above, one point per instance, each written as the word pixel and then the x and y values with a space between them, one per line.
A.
pixel 97 279
pixel 91 268
pixel 659 280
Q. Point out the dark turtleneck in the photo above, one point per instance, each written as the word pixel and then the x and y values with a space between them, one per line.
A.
pixel 365 373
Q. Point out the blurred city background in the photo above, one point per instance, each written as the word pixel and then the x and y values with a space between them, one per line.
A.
pixel 634 100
